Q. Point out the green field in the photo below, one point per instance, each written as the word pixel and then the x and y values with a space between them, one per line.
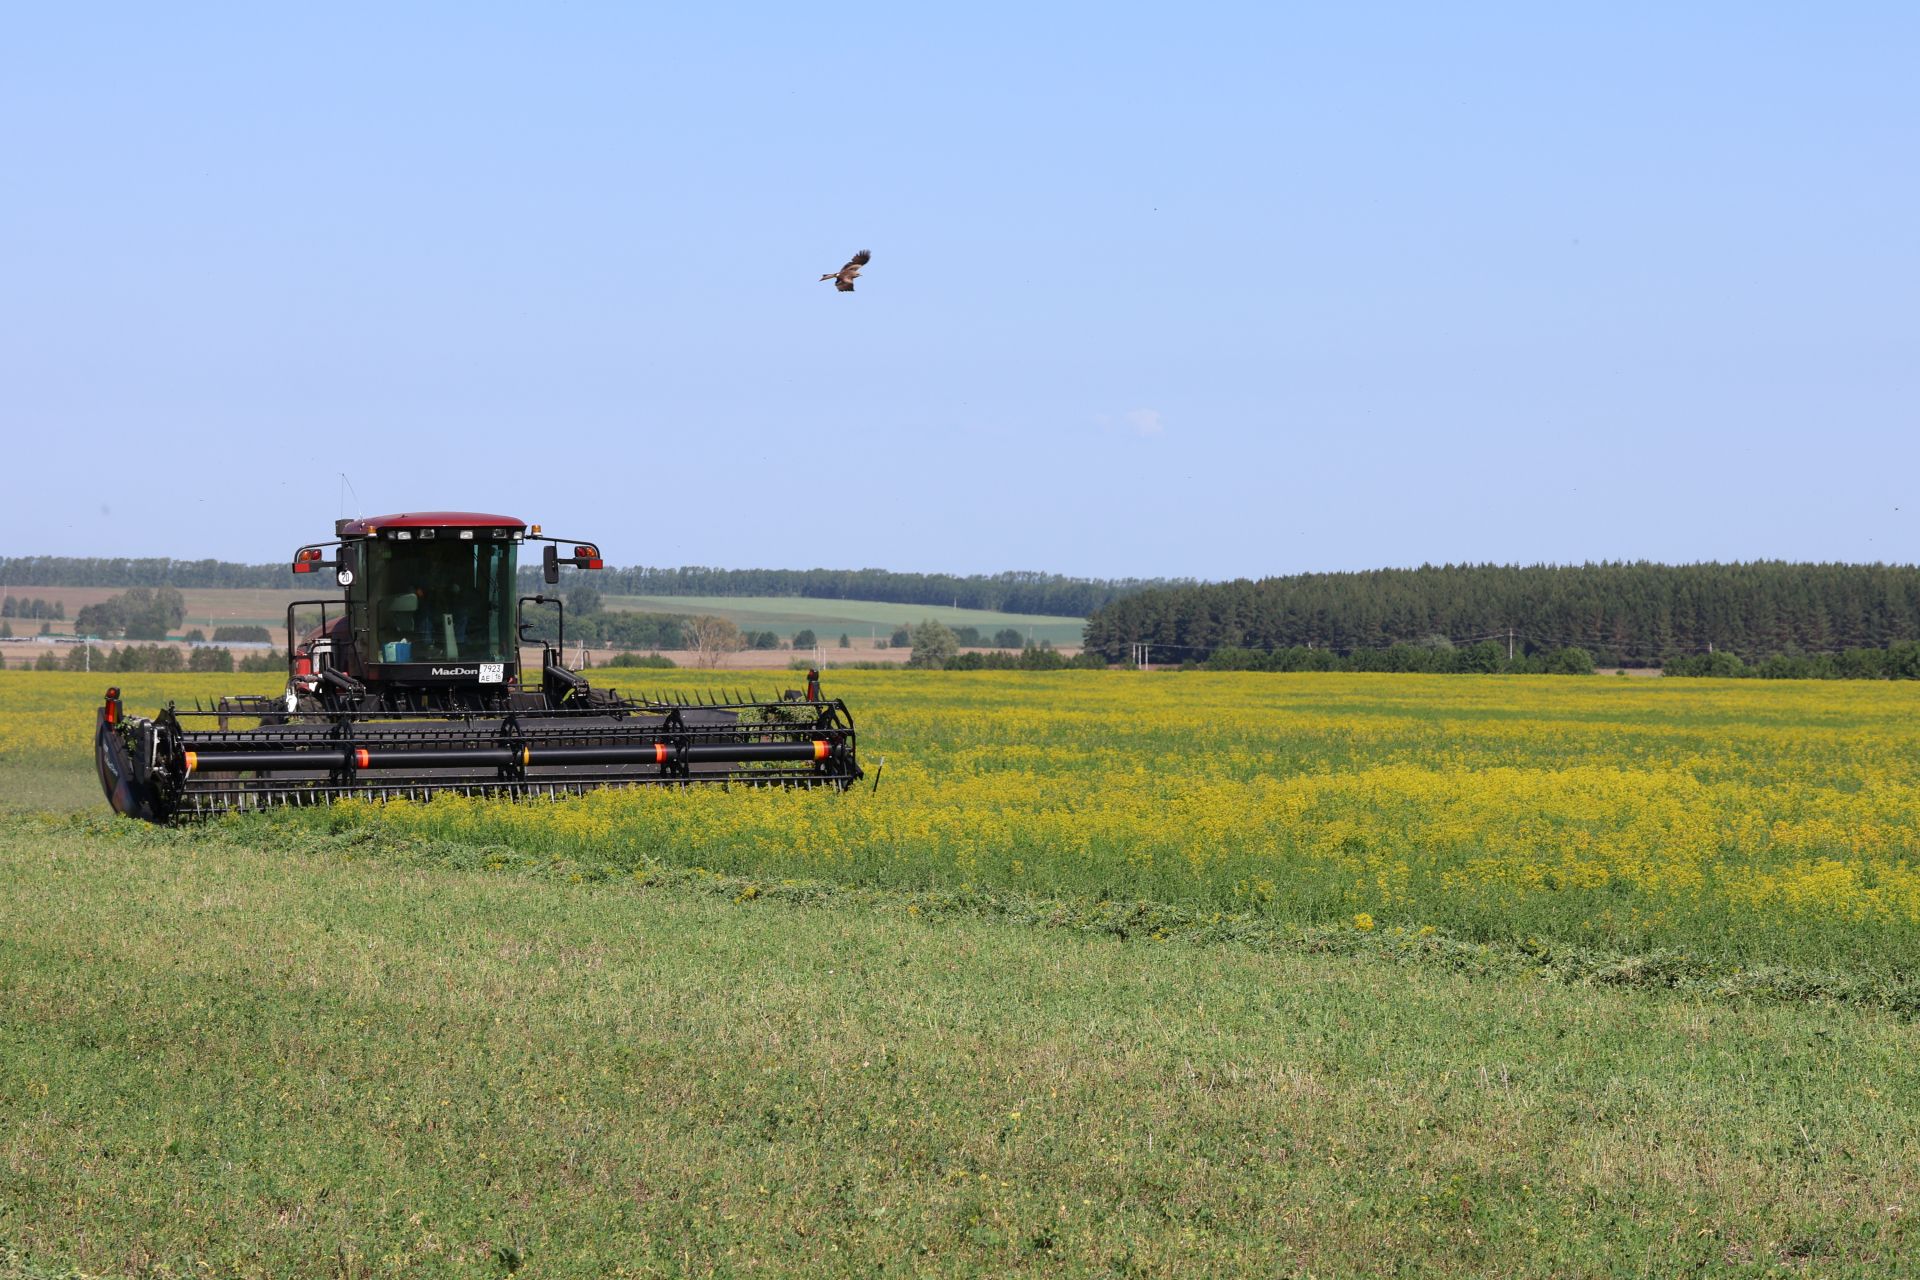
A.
pixel 226 1056
pixel 1017 1012
pixel 861 619
pixel 207 607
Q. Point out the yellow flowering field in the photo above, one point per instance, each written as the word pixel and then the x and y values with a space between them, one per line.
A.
pixel 1767 819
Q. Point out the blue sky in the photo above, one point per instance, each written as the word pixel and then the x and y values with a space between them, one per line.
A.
pixel 1191 290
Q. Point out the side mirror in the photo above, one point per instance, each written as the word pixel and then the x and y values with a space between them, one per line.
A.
pixel 550 563
pixel 347 562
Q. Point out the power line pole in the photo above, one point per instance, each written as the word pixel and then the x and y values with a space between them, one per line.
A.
pixel 1509 644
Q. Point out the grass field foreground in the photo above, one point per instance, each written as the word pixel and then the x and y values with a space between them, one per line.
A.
pixel 224 1055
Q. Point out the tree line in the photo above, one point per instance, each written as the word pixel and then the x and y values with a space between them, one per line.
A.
pixel 1014 592
pixel 1895 662
pixel 154 657
pixel 121 571
pixel 138 613
pixel 1621 614
pixel 1484 658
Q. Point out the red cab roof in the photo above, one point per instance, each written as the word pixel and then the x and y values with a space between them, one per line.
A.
pixel 428 520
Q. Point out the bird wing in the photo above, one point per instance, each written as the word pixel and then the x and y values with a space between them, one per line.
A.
pixel 843 278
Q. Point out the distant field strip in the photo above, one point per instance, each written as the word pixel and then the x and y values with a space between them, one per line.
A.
pixel 1755 823
pixel 862 618
pixel 209 607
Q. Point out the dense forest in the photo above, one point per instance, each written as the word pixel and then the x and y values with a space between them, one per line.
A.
pixel 1622 614
pixel 1006 592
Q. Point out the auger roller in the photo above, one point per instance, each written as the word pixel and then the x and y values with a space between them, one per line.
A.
pixel 411 686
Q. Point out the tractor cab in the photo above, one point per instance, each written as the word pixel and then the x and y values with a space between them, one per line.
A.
pixel 439 597
pixel 430 606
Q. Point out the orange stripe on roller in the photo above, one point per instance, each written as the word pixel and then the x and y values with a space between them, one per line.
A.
pixel 819 748
pixel 526 755
pixel 360 758
pixel 659 753
pixel 193 761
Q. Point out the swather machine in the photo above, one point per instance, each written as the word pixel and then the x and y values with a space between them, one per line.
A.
pixel 412 684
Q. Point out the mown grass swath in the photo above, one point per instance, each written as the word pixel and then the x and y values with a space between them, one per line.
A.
pixel 246 1052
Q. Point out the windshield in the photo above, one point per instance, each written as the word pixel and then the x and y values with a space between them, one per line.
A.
pixel 442 599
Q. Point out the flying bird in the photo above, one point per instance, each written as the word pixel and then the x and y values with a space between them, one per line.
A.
pixel 843 278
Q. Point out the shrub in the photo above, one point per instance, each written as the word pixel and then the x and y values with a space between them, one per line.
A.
pixel 1570 661
pixel 148 657
pixel 271 660
pixel 933 646
pixel 651 660
pixel 1721 665
pixel 211 660
pixel 712 638
pixel 140 612
pixel 621 629
pixel 1027 660
pixel 83 657
pixel 582 600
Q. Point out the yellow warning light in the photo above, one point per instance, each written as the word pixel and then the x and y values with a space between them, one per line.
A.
pixel 534 530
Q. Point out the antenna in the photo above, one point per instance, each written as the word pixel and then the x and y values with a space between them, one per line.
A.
pixel 346 487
